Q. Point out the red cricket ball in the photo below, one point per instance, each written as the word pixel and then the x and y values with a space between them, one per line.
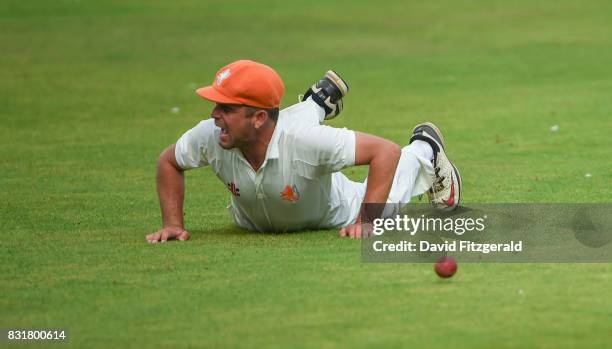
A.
pixel 446 267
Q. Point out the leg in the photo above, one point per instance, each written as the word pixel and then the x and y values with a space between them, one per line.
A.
pixel 425 168
pixel 307 112
pixel 414 173
pixel 445 193
pixel 328 93
pixel 322 101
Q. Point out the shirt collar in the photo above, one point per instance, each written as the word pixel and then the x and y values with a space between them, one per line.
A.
pixel 272 152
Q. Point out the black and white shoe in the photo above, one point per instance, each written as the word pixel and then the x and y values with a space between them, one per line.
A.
pixel 328 93
pixel 445 192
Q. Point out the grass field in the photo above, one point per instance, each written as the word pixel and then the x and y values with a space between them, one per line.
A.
pixel 87 90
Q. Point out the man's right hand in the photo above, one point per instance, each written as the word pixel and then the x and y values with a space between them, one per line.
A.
pixel 168 233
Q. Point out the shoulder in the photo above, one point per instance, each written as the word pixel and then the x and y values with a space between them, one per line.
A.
pixel 198 147
pixel 311 136
pixel 202 134
pixel 204 128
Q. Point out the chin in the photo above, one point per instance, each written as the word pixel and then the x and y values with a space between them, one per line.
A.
pixel 226 146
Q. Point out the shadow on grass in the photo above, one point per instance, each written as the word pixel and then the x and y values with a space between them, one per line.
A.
pixel 231 230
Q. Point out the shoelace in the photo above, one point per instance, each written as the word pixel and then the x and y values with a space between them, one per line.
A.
pixel 438 184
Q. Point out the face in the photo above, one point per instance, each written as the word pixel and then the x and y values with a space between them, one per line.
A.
pixel 237 128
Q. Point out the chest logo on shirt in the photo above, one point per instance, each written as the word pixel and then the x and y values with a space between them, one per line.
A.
pixel 290 193
pixel 233 188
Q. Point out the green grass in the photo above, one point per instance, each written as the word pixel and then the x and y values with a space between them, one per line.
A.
pixel 86 89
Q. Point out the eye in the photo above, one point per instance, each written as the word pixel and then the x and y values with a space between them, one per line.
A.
pixel 224 108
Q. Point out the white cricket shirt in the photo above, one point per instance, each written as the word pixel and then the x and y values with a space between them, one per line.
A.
pixel 298 185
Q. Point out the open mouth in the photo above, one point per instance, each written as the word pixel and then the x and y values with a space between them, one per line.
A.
pixel 224 135
pixel 223 128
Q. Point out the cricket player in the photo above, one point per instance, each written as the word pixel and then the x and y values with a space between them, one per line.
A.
pixel 282 168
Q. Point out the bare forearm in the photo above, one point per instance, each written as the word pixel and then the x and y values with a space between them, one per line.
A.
pixel 171 192
pixel 383 156
pixel 380 175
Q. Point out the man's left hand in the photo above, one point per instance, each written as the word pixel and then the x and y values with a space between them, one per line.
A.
pixel 356 231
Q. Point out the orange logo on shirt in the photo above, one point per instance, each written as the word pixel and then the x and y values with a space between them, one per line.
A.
pixel 290 194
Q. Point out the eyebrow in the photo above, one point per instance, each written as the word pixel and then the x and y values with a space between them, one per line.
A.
pixel 228 107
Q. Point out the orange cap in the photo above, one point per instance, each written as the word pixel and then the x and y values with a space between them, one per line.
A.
pixel 245 82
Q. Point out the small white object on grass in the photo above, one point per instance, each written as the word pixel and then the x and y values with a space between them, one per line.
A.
pixel 554 128
pixel 520 291
pixel 588 175
pixel 175 110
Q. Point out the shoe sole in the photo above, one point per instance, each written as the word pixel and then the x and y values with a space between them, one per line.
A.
pixel 459 184
pixel 337 80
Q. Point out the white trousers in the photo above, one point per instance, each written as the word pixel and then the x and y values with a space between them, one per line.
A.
pixel 413 177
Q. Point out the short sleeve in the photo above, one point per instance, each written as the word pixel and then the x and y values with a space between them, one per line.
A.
pixel 329 149
pixel 192 148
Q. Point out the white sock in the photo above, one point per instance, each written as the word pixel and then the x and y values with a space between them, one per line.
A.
pixel 422 149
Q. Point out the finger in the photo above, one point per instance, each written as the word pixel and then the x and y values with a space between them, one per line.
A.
pixel 357 231
pixel 164 236
pixel 366 231
pixel 342 232
pixel 183 236
pixel 153 237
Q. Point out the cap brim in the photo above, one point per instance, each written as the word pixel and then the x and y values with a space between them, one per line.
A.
pixel 211 94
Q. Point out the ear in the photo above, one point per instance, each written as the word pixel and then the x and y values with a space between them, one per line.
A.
pixel 259 118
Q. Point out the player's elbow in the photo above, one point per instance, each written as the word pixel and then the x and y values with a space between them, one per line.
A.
pixel 395 151
pixel 392 151
pixel 387 154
